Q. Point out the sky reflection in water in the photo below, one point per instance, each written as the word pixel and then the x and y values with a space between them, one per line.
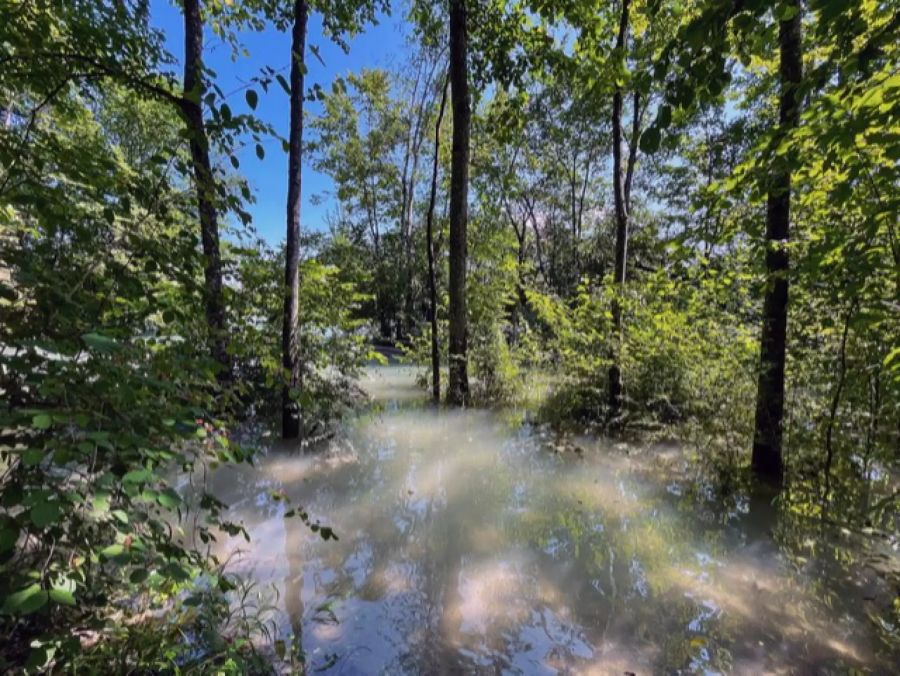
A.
pixel 468 544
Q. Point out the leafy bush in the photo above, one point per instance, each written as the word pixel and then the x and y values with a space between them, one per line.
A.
pixel 684 356
pixel 333 341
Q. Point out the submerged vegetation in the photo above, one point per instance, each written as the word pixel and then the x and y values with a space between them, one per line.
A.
pixel 642 219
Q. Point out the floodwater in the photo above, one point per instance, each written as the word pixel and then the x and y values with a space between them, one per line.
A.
pixel 470 542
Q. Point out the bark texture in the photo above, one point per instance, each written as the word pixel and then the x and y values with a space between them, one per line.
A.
pixel 191 106
pixel 429 236
pixel 458 386
pixel 290 329
pixel 767 460
pixel 621 188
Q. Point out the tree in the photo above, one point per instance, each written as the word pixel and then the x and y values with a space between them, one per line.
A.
pixel 767 437
pixel 359 136
pixel 290 330
pixel 458 386
pixel 429 243
pixel 205 185
pixel 621 205
pixel 415 121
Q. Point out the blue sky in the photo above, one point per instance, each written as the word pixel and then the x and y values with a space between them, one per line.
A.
pixel 380 45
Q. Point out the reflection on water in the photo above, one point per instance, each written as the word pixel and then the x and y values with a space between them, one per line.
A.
pixel 471 544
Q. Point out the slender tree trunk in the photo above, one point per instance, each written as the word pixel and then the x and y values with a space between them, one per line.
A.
pixel 406 203
pixel 520 305
pixel 408 247
pixel 582 197
pixel 290 329
pixel 538 246
pixel 836 399
pixel 621 207
pixel 632 148
pixel 429 235
pixel 767 454
pixel 573 199
pixel 194 90
pixel 415 138
pixel 458 389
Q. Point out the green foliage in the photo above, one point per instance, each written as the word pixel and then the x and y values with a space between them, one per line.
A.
pixel 109 397
pixel 493 278
pixel 106 394
pixel 686 356
pixel 332 345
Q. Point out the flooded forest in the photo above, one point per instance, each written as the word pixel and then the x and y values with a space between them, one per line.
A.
pixel 455 337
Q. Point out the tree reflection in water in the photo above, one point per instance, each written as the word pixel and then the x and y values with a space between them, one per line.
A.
pixel 472 543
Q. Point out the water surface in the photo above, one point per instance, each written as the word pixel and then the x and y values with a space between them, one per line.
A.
pixel 473 543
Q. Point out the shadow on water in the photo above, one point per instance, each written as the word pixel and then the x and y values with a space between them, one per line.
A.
pixel 469 543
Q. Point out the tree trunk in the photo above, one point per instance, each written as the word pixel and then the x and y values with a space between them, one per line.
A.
pixel 407 324
pixel 836 399
pixel 194 90
pixel 520 305
pixel 429 235
pixel 621 207
pixel 414 138
pixel 290 329
pixel 458 389
pixel 767 457
pixel 406 204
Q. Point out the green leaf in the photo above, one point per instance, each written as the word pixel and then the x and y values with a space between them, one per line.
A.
pixel 284 83
pixel 893 355
pixel 260 151
pixel 26 600
pixel 650 140
pixel 137 476
pixel 63 596
pixel 175 571
pixel 112 551
pixel 786 12
pixel 252 98
pixel 101 502
pixel 664 119
pixel 169 499
pixel 327 533
pixel 100 343
pixel 41 421
pixel 45 513
pixel 138 575
pixel 32 457
pixel 9 535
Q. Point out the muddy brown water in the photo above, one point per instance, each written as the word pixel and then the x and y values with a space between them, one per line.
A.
pixel 471 542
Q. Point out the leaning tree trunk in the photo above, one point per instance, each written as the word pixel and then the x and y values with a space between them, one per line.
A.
pixel 429 236
pixel 290 329
pixel 767 457
pixel 194 90
pixel 406 325
pixel 621 207
pixel 458 387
